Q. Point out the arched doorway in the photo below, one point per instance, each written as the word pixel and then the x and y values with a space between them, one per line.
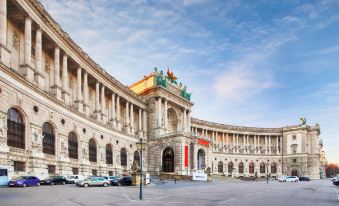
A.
pixel 294 172
pixel 48 142
pixel 168 160
pixel 172 121
pixel 220 167
pixel 201 159
pixel 16 129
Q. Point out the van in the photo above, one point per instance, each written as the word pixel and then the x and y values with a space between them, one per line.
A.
pixel 73 179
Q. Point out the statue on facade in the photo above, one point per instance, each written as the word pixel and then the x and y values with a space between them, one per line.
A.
pixel 161 80
pixel 2 126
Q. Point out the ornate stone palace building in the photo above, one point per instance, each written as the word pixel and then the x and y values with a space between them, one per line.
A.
pixel 61 113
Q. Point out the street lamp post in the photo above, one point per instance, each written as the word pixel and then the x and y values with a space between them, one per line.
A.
pixel 141 146
pixel 267 171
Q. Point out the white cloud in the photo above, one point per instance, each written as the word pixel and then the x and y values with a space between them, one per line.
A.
pixel 240 83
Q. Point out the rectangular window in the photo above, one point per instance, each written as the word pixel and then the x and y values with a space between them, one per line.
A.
pixel 51 169
pixel 75 171
pixel 294 137
pixel 110 173
pixel 19 166
pixel 94 172
pixel 294 160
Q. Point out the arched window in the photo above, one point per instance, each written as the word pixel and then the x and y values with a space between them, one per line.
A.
pixel 15 129
pixel 230 167
pixel 109 154
pixel 72 145
pixel 262 167
pixel 123 157
pixel 273 168
pixel 92 147
pixel 251 168
pixel 168 160
pixel 220 167
pixel 241 168
pixel 48 142
pixel 137 157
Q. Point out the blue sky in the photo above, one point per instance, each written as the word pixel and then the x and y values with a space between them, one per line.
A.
pixel 253 63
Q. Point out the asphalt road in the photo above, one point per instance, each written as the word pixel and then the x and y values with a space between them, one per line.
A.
pixel 313 193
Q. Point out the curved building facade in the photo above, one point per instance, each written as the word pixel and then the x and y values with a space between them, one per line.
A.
pixel 61 113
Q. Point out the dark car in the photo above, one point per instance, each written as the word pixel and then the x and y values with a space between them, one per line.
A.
pixel 124 181
pixel 24 181
pixel 336 181
pixel 54 180
pixel 304 179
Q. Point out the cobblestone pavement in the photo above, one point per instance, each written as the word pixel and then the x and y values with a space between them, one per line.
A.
pixel 316 192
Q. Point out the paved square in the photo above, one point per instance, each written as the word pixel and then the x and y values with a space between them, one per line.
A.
pixel 317 192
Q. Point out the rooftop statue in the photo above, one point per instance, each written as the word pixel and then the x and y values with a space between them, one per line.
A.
pixel 185 94
pixel 160 79
pixel 303 120
pixel 170 76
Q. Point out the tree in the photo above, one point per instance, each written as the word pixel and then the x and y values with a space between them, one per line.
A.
pixel 331 170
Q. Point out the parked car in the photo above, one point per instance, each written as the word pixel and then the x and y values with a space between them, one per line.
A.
pixel 282 178
pixel 303 178
pixel 74 179
pixel 124 181
pixel 333 178
pixel 54 180
pixel 291 179
pixel 24 181
pixel 336 181
pixel 93 181
pixel 110 179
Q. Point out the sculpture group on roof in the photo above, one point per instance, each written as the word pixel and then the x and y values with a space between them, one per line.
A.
pixel 162 80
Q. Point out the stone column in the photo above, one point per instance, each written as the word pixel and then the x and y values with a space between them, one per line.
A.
pixel 276 144
pixel 38 75
pixel 281 144
pixel 184 123
pixel 233 143
pixel 118 113
pixel 78 102
pixel 140 123
pixel 188 119
pixel 132 119
pixel 113 116
pixel 26 68
pixel 266 145
pixel 144 121
pixel 159 112
pixel 223 142
pixel 165 116
pixel 56 88
pixel 127 123
pixel 86 91
pixel 103 105
pixel 5 54
pixel 237 143
pixel 269 144
pixel 255 143
pixel 243 143
pixel 65 86
pixel 97 101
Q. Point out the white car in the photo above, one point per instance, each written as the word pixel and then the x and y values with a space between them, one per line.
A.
pixel 281 179
pixel 291 179
pixel 73 179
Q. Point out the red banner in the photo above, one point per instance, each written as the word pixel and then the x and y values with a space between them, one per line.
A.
pixel 186 156
pixel 203 142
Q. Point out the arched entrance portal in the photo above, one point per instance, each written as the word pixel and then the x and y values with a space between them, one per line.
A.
pixel 168 160
pixel 294 172
pixel 201 159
